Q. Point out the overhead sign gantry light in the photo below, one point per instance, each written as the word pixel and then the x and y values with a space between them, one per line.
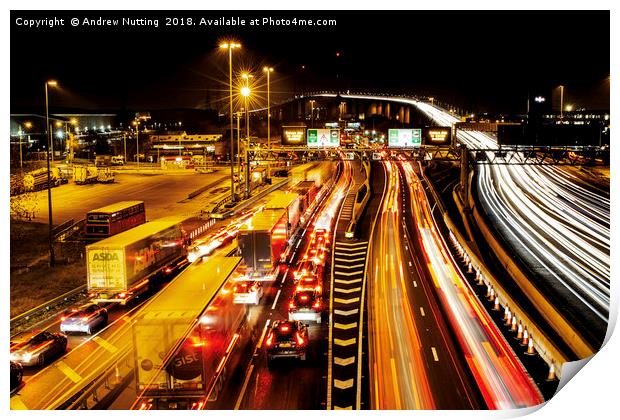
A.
pixel 401 137
pixel 321 137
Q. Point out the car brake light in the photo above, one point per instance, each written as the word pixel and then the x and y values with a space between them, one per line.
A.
pixel 303 297
pixel 168 270
pixel 234 288
pixel 318 289
pixel 284 328
pixel 300 340
pixel 84 318
pixel 269 341
pixel 291 305
pixel 62 318
pixel 316 305
pixel 122 295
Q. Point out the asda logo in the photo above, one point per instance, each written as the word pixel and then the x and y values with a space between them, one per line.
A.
pixel 104 256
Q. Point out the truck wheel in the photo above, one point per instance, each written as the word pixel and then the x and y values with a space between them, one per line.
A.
pixel 41 361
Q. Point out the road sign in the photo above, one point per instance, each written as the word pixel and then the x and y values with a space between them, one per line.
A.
pixel 400 137
pixel 438 136
pixel 350 156
pixel 376 156
pixel 322 137
pixel 294 135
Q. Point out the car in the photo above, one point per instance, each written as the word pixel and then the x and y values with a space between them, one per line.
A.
pixel 306 305
pixel 309 283
pixel 247 291
pixel 83 319
pixel 39 348
pixel 286 339
pixel 17 373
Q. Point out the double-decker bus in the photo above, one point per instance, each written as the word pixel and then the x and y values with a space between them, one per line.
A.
pixel 115 218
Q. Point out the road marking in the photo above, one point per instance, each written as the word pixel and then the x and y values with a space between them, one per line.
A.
pixel 346 313
pixel 435 354
pixel 344 343
pixel 422 311
pixel 348 266
pixel 70 373
pixel 341 273
pixel 262 336
pixel 351 244
pixel 350 254
pixel 415 284
pixel 105 344
pixel 276 299
pixel 349 259
pixel 243 388
pixel 353 290
pixel 410 265
pixel 345 326
pixel 344 362
pixel 343 384
pixel 346 301
pixel 347 281
pixel 343 408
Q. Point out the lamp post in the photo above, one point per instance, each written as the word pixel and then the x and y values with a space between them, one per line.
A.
pixel 312 113
pixel 27 125
pixel 239 145
pixel 137 124
pixel 230 46
pixel 245 92
pixel 268 70
pixel 561 101
pixel 49 180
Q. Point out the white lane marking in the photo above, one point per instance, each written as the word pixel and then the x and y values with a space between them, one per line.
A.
pixel 435 354
pixel 349 259
pixel 276 299
pixel 422 311
pixel 262 336
pixel 410 264
pixel 346 313
pixel 415 284
pixel 354 273
pixel 244 387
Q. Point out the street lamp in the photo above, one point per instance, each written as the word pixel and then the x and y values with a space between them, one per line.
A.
pixel 245 92
pixel 136 123
pixel 561 101
pixel 230 46
pixel 27 125
pixel 312 113
pixel 49 180
pixel 268 70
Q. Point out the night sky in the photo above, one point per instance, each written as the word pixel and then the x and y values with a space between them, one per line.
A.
pixel 487 61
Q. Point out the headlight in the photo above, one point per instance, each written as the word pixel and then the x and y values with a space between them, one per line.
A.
pixel 26 358
pixel 14 357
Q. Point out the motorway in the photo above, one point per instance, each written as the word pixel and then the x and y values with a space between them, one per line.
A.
pixel 416 298
pixel 556 226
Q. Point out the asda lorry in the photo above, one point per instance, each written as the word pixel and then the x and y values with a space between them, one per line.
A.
pixel 120 267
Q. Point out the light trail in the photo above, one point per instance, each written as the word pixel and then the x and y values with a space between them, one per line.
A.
pixel 557 226
pixel 400 375
pixel 501 378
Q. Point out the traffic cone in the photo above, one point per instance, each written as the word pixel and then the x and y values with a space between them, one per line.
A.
pixel 505 312
pixel 551 376
pixel 508 318
pixel 469 269
pixel 513 324
pixel 488 290
pixel 525 337
pixel 492 297
pixel 530 347
pixel 520 331
pixel 496 305
pixel 480 282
